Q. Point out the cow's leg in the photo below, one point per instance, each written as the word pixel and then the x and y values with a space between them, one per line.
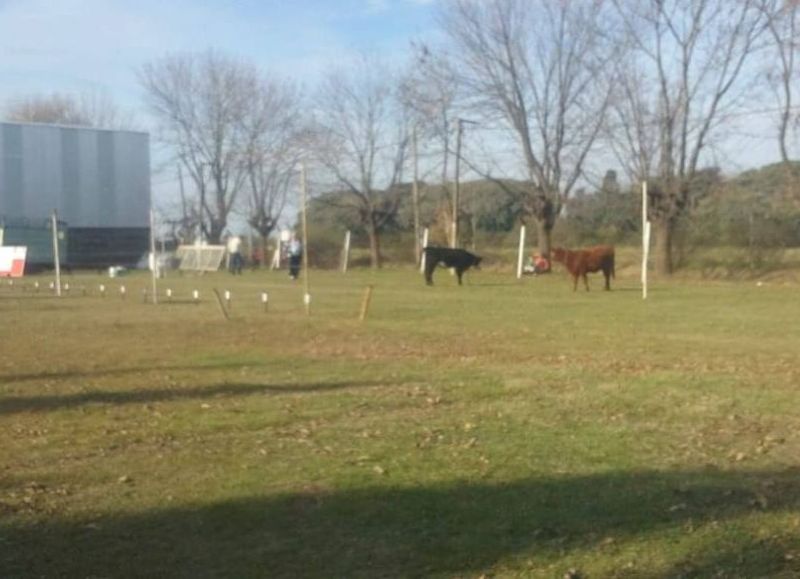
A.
pixel 575 282
pixel 459 273
pixel 607 274
pixel 586 281
pixel 430 265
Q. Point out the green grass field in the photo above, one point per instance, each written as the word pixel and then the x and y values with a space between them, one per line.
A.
pixel 500 429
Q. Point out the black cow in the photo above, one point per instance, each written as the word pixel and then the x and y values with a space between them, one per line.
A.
pixel 460 259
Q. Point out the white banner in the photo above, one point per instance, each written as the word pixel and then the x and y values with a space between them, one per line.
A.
pixel 12 261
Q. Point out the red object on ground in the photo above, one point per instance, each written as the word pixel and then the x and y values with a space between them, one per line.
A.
pixel 12 261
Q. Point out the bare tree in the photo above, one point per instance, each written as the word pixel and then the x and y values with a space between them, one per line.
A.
pixel 677 89
pixel 201 101
pixel 271 126
pixel 539 69
pixel 429 92
pixel 361 138
pixel 90 109
pixel 783 24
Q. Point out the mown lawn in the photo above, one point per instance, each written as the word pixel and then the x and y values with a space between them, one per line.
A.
pixel 500 429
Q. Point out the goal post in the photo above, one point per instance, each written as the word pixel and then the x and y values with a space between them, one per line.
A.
pixel 200 257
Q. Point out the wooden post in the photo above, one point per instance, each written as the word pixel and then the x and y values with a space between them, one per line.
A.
pixel 521 252
pixel 424 245
pixel 365 303
pixel 304 193
pixel 222 309
pixel 56 259
pixel 153 256
pixel 346 252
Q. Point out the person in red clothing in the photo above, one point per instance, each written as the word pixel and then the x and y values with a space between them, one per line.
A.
pixel 540 265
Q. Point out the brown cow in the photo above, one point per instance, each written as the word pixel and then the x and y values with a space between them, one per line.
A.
pixel 579 262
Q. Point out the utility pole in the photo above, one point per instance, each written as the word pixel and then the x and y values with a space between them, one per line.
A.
pixel 457 187
pixel 56 257
pixel 201 216
pixel 153 255
pixel 184 210
pixel 415 197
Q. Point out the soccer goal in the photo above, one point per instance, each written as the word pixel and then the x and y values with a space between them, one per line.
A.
pixel 200 257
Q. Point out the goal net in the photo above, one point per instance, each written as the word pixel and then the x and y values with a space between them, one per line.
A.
pixel 200 257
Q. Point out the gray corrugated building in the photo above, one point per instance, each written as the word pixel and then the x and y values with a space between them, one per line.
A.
pixel 98 181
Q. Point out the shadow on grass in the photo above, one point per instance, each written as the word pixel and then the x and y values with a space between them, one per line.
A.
pixel 13 405
pixel 98 372
pixel 459 529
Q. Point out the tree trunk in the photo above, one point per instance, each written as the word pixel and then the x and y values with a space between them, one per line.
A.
pixel 264 242
pixel 473 226
pixel 215 232
pixel 374 244
pixel 544 232
pixel 663 257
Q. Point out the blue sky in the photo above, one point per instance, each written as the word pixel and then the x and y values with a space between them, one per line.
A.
pixel 97 45
pixel 78 45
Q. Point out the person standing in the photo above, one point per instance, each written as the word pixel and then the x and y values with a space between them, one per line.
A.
pixel 295 257
pixel 235 253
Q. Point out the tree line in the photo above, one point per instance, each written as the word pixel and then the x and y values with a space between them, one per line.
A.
pixel 530 96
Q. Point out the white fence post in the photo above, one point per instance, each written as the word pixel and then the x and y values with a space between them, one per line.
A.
pixel 424 245
pixel 521 251
pixel 346 251
pixel 276 258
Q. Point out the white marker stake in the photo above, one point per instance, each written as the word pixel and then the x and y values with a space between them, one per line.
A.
pixel 169 294
pixel 122 291
pixel 265 300
pixel 66 287
pixel 36 286
pixel 196 296
pixel 521 251
pixel 228 299
pixel 424 245
pixel 307 302
pixel 102 291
